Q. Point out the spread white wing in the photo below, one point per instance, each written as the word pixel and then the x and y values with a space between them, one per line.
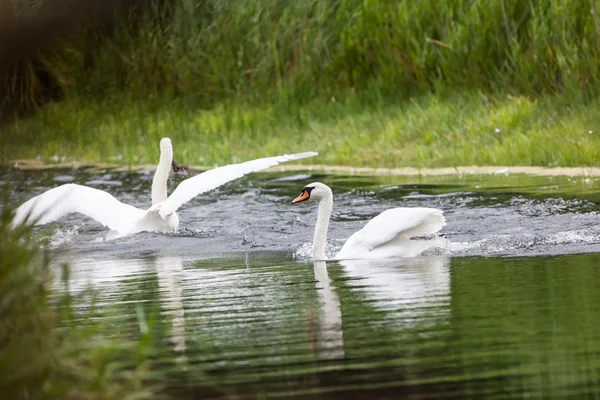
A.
pixel 209 180
pixel 72 198
pixel 401 223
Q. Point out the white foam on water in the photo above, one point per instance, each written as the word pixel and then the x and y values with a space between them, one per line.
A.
pixel 508 243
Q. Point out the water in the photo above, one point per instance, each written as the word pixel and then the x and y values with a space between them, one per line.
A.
pixel 503 307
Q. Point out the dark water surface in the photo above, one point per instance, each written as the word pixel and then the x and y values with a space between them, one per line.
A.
pixel 505 305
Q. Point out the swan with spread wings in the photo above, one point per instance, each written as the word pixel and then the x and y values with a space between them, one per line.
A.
pixel 124 219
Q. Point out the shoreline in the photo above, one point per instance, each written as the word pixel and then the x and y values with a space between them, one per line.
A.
pixel 34 164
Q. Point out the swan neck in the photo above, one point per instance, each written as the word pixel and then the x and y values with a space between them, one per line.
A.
pixel 161 176
pixel 320 237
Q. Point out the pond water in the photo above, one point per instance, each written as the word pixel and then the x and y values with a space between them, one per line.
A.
pixel 503 306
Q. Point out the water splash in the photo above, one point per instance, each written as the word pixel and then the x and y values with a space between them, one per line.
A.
pixel 513 243
pixel 256 214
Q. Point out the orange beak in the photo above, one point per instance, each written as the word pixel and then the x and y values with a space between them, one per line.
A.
pixel 303 196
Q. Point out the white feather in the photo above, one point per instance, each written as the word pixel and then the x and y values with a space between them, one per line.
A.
pixel 123 219
pixel 395 224
pixel 72 198
pixel 389 233
pixel 386 235
pixel 209 180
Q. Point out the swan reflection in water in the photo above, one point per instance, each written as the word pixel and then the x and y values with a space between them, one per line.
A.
pixel 416 286
pixel 330 338
pixel 111 276
pixel 235 300
pixel 169 271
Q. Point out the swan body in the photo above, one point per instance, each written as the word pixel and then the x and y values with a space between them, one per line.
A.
pixel 387 235
pixel 123 219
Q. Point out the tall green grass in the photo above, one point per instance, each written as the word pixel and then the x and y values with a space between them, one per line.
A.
pixel 291 51
pixel 53 345
pixel 219 49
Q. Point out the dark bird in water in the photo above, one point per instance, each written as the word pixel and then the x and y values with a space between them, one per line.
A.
pixel 180 169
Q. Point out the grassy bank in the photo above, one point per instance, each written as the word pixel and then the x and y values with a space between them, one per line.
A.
pixel 427 131
pixel 366 83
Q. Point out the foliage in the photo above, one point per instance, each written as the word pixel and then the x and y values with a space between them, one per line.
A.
pixel 51 348
pixel 461 129
pixel 364 82
pixel 286 51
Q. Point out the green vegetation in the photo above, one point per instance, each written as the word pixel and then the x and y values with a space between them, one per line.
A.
pixel 429 132
pixel 51 346
pixel 372 83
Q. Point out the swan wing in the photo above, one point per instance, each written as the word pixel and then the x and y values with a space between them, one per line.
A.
pixel 72 198
pixel 402 223
pixel 211 179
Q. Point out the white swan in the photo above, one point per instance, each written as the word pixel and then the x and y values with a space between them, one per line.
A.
pixel 123 219
pixel 386 235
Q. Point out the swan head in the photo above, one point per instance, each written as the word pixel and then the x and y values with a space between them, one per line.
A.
pixel 315 191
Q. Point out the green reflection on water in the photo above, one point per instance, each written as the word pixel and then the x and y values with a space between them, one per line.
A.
pixel 488 327
pixel 493 327
pixel 531 321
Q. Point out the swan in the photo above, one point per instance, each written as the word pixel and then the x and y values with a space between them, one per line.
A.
pixel 386 235
pixel 124 219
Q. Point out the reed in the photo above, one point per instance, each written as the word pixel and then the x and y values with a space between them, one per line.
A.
pixel 53 345
pixel 293 51
pixel 284 51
